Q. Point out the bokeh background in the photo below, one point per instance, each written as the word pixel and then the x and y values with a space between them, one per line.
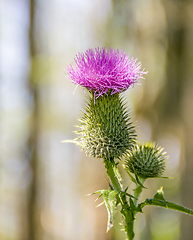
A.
pixel 43 182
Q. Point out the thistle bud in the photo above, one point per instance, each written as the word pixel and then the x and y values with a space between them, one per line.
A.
pixel 105 127
pixel 146 160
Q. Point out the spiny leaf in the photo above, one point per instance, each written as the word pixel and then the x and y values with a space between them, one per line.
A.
pixel 111 187
pixel 138 181
pixel 99 191
pixel 110 200
pixel 160 201
pixel 127 194
pixel 132 178
pixel 159 195
pixel 109 197
pixel 131 203
pixel 166 204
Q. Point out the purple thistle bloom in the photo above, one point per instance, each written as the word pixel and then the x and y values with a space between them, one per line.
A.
pixel 104 71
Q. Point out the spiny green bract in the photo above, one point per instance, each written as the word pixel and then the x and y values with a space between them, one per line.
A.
pixel 105 128
pixel 146 160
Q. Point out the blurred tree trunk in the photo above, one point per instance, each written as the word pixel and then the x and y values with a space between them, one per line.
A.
pixel 169 101
pixel 32 202
pixel 120 26
pixel 187 115
pixel 169 105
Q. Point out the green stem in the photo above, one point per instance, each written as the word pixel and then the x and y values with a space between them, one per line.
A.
pixel 129 219
pixel 114 174
pixel 130 213
pixel 137 191
pixel 115 177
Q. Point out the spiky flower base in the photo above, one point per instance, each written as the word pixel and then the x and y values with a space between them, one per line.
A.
pixel 146 160
pixel 105 128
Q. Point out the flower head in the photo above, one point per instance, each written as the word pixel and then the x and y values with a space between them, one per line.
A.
pixel 105 71
pixel 146 160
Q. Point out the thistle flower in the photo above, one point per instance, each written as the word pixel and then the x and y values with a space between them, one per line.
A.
pixel 104 71
pixel 146 160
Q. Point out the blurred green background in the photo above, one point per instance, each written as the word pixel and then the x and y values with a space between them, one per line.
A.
pixel 43 182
